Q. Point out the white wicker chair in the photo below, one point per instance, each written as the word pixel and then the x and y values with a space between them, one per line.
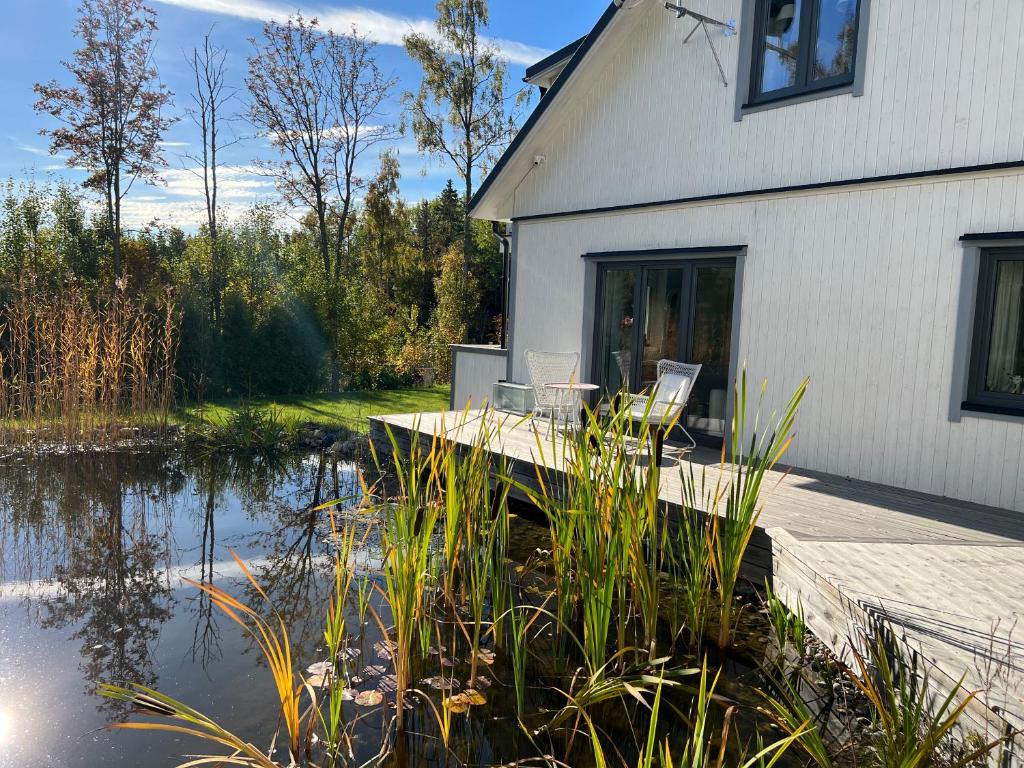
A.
pixel 666 402
pixel 549 368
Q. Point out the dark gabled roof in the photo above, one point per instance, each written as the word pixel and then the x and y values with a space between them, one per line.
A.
pixel 555 58
pixel 546 101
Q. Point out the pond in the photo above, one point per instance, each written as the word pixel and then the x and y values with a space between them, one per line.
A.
pixel 104 558
pixel 94 553
pixel 99 556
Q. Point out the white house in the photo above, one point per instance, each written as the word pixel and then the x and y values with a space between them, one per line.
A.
pixel 843 200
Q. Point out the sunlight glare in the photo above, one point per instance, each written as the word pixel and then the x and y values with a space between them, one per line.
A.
pixel 5 726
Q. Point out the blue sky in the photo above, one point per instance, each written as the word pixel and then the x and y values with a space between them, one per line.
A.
pixel 36 36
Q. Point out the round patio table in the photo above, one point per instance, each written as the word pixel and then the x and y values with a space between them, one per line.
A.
pixel 569 401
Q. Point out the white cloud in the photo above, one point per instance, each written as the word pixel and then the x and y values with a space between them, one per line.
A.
pixel 383 28
pixel 174 144
pixel 22 146
pixel 180 202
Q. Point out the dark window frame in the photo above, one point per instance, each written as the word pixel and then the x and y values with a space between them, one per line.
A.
pixel 808 38
pixel 978 399
pixel 689 259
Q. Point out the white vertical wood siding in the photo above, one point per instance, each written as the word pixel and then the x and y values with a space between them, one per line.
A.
pixel 475 374
pixel 650 119
pixel 856 289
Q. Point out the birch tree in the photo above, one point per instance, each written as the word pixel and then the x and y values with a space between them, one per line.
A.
pixel 461 113
pixel 209 110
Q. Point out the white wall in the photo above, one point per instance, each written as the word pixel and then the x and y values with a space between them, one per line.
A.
pixel 647 118
pixel 476 370
pixel 858 290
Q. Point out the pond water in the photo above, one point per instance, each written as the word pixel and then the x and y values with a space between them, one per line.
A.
pixel 94 550
pixel 97 552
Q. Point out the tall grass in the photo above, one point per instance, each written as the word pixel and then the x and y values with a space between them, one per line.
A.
pixel 410 519
pixel 734 520
pixel 77 370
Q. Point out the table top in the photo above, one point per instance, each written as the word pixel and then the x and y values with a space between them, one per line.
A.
pixel 571 385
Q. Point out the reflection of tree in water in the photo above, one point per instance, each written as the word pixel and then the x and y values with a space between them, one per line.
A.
pixel 89 539
pixel 295 573
pixel 256 481
pixel 106 548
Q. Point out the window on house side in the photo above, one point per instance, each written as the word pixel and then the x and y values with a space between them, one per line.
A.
pixel 997 350
pixel 803 46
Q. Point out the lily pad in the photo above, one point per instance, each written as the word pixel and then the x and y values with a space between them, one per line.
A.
pixel 474 697
pixel 457 704
pixel 320 668
pixel 369 698
pixel 374 670
pixel 441 683
pixel 485 656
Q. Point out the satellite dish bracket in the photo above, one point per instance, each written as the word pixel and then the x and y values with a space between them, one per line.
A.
pixel 705 22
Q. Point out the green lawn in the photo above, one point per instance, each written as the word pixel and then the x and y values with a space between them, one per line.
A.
pixel 348 409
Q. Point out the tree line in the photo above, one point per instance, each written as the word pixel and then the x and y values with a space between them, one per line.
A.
pixel 359 288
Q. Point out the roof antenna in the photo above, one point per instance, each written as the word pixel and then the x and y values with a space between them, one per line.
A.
pixel 704 22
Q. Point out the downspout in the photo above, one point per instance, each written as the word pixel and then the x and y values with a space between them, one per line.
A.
pixel 505 243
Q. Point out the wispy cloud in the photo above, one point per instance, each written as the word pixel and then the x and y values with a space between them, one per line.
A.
pixel 174 144
pixel 383 28
pixel 32 150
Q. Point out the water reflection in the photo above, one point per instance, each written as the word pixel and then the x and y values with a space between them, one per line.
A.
pixel 93 553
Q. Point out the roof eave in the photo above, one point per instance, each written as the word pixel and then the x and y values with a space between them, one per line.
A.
pixel 545 104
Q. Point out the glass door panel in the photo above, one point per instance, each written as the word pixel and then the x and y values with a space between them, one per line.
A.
pixel 662 305
pixel 616 333
pixel 682 312
pixel 710 345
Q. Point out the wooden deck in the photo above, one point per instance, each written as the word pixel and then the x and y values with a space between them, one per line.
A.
pixel 948 575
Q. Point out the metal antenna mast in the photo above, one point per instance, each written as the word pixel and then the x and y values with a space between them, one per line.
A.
pixel 705 22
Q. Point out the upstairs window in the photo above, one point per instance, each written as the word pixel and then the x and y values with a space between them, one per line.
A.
pixel 803 46
pixel 996 381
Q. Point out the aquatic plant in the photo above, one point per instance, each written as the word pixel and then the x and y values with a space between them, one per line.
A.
pixel 409 524
pixel 702 750
pixel 789 626
pixel 910 723
pixel 735 521
pixel 691 558
pixel 77 370
pixel 246 429
pixel 605 521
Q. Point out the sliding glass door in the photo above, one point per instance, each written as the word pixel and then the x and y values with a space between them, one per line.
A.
pixel 677 310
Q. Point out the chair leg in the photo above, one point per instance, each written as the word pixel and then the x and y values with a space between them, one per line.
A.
pixel 689 437
pixel 659 444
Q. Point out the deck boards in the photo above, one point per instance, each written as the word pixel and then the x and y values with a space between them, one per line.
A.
pixel 948 574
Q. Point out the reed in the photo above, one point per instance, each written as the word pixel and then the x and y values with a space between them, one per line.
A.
pixel 608 533
pixel 77 370
pixel 409 524
pixel 706 750
pixel 789 626
pixel 691 557
pixel 336 635
pixel 271 637
pixel 735 520
pixel 911 724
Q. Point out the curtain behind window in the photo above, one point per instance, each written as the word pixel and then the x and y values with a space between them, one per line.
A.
pixel 1006 351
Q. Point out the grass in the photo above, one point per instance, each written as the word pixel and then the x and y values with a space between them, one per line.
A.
pixel 347 410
